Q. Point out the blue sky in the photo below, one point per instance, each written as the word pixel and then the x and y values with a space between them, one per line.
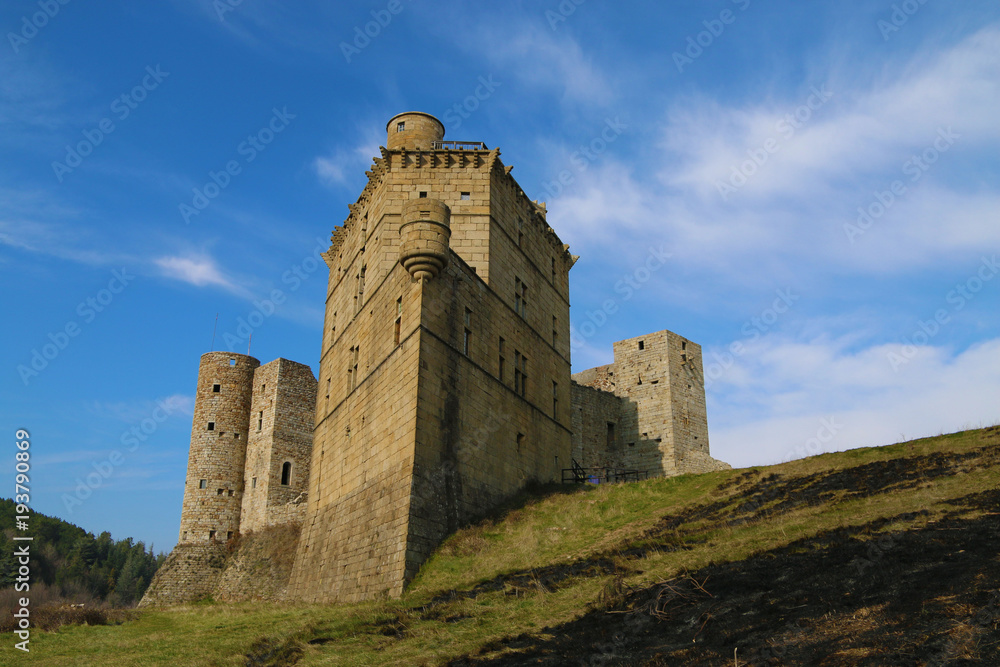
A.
pixel 823 177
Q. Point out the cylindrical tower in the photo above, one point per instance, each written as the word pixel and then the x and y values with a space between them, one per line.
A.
pixel 213 490
pixel 413 130
pixel 424 232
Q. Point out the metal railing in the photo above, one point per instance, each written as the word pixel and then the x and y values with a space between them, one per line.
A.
pixel 601 475
pixel 459 145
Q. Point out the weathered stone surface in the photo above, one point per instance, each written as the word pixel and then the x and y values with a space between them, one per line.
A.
pixel 646 411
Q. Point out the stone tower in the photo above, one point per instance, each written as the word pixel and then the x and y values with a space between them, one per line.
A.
pixel 248 466
pixel 213 490
pixel 279 445
pixel 646 411
pixel 444 382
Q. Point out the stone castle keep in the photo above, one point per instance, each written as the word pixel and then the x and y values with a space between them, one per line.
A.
pixel 444 387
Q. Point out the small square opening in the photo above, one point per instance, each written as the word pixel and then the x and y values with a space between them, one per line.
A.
pixel 642 345
pixel 211 426
pixel 232 362
pixel 218 492
pixel 216 388
pixel 211 534
pixel 422 195
pixel 466 196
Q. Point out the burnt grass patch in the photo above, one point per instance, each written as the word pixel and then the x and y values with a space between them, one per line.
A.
pixel 850 596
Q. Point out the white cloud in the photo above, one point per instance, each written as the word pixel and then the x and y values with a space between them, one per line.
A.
pixel 197 270
pixel 541 58
pixel 790 215
pixel 345 166
pixel 785 399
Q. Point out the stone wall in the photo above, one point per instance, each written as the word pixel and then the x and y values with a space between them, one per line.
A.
pixel 354 536
pixel 190 573
pixel 597 427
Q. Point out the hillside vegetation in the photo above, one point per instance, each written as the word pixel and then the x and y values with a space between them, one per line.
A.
pixel 71 565
pixel 882 556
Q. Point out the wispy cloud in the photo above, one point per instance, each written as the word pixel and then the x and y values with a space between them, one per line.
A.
pixel 199 270
pixel 531 52
pixel 780 392
pixel 790 211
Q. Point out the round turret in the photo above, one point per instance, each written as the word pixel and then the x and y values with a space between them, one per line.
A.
pixel 213 490
pixel 424 234
pixel 413 130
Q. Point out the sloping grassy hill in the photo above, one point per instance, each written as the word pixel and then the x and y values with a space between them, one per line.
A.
pixel 873 556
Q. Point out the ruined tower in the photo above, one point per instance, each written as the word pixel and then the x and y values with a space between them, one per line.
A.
pixel 248 465
pixel 445 371
pixel 213 490
pixel 646 411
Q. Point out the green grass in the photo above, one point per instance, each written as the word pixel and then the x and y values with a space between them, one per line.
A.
pixel 536 531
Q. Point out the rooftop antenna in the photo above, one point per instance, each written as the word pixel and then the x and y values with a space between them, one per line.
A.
pixel 213 332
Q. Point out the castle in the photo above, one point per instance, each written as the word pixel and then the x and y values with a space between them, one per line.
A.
pixel 444 386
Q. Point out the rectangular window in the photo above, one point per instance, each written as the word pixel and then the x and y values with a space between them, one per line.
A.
pixel 218 492
pixel 520 298
pixel 519 442
pixel 352 370
pixel 467 337
pixel 236 436
pixel 555 331
pixel 555 399
pixel 466 196
pixel 553 270
pixel 400 126
pixel 229 535
pixel 216 388
pixel 260 420
pixel 642 345
pixel 520 233
pixel 612 441
pixel 422 195
pixel 211 534
pixel 231 492
pixel 211 426
pixel 520 373
pixel 232 362
pixel 253 483
pixel 399 320
pixel 202 483
pixel 500 368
